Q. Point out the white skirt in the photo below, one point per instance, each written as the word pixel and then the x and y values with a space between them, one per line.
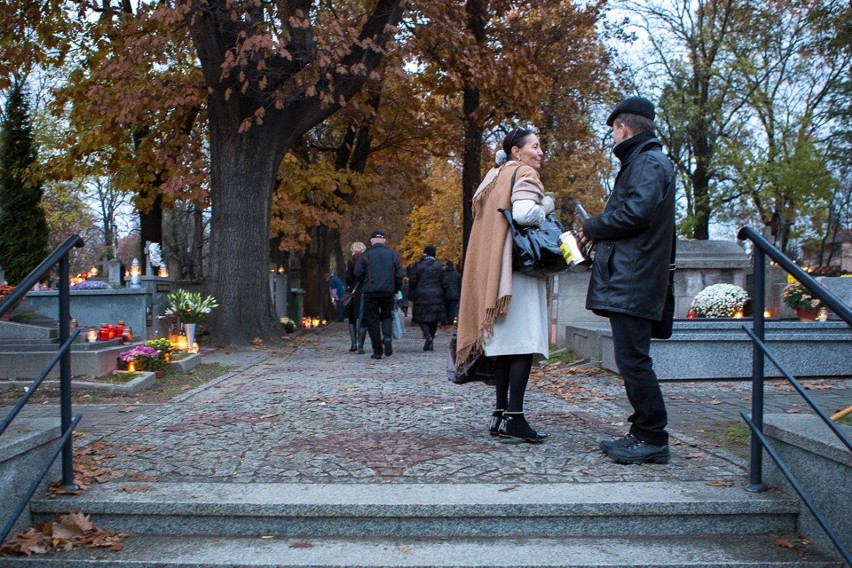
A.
pixel 524 327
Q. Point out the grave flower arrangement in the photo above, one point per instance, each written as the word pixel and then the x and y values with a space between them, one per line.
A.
pixel 189 307
pixel 718 301
pixel 163 347
pixel 143 357
pixel 796 296
pixel 90 285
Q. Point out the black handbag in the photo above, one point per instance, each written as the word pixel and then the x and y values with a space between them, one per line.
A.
pixel 535 250
pixel 663 329
pixel 481 368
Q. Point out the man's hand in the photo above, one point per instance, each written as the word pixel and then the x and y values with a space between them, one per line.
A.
pixel 584 240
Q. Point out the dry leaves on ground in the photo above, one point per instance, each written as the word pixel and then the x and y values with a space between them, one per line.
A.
pixel 70 531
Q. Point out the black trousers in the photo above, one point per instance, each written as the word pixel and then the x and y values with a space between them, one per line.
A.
pixel 377 314
pixel 631 338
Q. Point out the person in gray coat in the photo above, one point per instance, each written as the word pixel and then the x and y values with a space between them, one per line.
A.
pixel 633 243
pixel 426 289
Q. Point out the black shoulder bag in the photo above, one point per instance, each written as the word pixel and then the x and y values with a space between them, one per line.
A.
pixel 535 250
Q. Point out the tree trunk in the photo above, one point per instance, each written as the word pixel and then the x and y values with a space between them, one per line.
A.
pixel 243 179
pixel 151 229
pixel 477 15
pixel 471 161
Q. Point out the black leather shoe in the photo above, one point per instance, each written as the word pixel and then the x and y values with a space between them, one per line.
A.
pixel 376 356
pixel 494 425
pixel 515 428
pixel 388 346
pixel 638 451
pixel 607 445
pixel 428 344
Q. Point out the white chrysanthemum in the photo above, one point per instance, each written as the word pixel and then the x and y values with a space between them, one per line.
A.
pixel 719 301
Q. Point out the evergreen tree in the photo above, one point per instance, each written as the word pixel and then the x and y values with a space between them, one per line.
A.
pixel 23 228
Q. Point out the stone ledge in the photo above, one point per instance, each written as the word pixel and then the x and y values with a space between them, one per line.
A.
pixel 183 365
pixel 143 380
pixel 822 466
pixel 720 349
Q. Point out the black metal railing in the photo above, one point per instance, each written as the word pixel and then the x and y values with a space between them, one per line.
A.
pixel 762 249
pixel 63 357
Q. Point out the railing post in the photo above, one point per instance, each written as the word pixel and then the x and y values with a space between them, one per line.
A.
pixel 757 371
pixel 65 375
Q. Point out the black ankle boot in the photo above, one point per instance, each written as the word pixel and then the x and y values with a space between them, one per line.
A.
pixel 427 345
pixel 516 428
pixel 494 425
pixel 353 337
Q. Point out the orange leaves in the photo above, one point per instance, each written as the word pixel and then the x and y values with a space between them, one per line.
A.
pixel 70 531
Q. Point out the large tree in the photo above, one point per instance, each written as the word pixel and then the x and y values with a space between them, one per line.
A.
pixel 273 72
pixel 24 234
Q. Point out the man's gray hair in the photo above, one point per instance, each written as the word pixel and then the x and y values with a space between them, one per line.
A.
pixel 636 123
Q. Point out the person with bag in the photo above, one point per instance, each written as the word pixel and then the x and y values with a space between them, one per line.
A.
pixel 352 299
pixel 425 281
pixel 503 313
pixel 630 275
pixel 379 273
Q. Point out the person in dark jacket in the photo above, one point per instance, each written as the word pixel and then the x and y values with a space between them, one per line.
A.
pixel 354 310
pixel 379 272
pixel 425 284
pixel 633 240
pixel 452 292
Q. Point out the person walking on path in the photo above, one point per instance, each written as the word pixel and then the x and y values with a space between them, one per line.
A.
pixel 355 308
pixel 633 240
pixel 425 284
pixel 379 272
pixel 336 290
pixel 503 313
pixel 452 292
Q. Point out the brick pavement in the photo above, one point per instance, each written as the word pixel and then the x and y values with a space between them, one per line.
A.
pixel 325 415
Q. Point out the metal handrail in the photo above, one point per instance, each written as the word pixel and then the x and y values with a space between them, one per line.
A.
pixel 760 350
pixel 63 357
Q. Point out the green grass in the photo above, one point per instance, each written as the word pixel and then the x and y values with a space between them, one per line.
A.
pixel 562 357
pixel 736 436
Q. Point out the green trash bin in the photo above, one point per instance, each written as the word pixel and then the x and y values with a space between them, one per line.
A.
pixel 297 296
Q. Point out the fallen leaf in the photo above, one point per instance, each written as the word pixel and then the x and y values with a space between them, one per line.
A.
pixel 784 543
pixel 135 488
pixel 301 545
pixel 716 483
pixel 405 550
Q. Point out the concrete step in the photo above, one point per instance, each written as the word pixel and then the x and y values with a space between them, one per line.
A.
pixel 87 359
pixel 370 551
pixel 428 510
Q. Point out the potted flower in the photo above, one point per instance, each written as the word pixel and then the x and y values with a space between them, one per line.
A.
pixel 189 307
pixel 799 298
pixel 142 358
pixel 718 301
pixel 5 290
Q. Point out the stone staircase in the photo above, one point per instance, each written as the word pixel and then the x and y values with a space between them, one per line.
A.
pixel 664 524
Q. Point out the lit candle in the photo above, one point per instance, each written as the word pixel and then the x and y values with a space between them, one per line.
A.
pixel 131 367
pixel 181 344
pixel 92 335
pixel 164 272
pixel 195 347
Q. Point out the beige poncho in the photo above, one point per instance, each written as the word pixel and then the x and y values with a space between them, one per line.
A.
pixel 487 277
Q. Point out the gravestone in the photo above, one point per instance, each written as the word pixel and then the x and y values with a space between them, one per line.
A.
pixel 840 287
pixel 115 271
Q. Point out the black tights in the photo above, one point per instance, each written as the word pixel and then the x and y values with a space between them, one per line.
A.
pixel 513 373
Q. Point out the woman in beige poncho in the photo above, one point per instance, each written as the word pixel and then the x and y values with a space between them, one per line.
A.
pixel 502 313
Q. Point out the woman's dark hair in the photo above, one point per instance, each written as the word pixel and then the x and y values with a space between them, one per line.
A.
pixel 516 137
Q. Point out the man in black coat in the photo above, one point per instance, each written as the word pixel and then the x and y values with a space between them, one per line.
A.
pixel 380 272
pixel 633 240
